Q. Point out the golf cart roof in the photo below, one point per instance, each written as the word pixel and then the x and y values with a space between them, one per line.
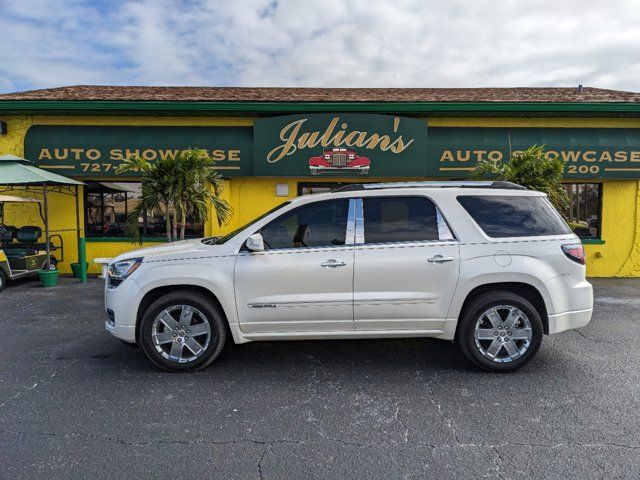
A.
pixel 17 171
pixel 16 199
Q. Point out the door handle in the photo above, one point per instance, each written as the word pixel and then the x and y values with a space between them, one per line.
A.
pixel 440 259
pixel 331 263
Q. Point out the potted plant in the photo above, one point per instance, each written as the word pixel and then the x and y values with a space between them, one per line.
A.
pixel 75 268
pixel 48 276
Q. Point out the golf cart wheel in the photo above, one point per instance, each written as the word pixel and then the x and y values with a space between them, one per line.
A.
pixel 500 331
pixel 182 331
pixel 3 279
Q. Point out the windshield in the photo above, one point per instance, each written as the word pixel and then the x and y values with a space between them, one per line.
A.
pixel 229 236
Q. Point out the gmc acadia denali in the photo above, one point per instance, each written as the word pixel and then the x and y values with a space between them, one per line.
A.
pixel 489 265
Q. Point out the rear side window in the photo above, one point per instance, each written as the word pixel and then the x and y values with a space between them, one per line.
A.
pixel 399 219
pixel 510 216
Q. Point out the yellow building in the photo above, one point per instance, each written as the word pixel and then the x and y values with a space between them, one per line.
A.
pixel 272 144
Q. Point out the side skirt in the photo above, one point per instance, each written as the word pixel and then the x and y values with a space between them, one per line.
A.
pixel 447 333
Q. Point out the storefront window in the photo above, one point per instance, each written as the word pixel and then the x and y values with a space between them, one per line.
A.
pixel 107 206
pixel 585 206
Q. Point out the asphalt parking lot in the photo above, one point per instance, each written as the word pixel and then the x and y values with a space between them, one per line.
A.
pixel 77 403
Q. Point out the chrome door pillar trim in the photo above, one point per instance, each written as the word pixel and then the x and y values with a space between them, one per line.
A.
pixel 351 223
pixel 359 213
pixel 444 232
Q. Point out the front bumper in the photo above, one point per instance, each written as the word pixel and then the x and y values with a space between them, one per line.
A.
pixel 569 320
pixel 123 332
pixel 122 302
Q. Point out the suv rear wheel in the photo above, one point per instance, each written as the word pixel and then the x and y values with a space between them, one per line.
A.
pixel 182 331
pixel 500 331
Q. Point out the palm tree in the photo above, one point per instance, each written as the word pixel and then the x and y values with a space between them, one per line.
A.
pixel 198 186
pixel 179 187
pixel 531 169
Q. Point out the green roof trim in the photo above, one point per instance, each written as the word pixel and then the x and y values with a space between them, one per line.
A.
pixel 592 241
pixel 21 106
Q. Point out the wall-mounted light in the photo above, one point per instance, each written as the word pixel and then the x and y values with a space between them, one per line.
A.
pixel 3 128
pixel 282 190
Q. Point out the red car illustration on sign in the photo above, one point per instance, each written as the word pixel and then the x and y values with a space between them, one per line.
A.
pixel 339 160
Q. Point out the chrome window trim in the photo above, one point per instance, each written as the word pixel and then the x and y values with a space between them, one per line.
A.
pixel 284 250
pixel 350 236
pixel 359 221
pixel 444 232
pixel 409 243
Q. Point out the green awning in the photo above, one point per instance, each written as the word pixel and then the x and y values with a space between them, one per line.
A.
pixel 16 171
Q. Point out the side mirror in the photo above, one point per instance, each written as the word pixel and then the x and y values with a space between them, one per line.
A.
pixel 255 243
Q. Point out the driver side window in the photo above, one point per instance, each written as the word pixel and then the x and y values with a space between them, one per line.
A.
pixel 318 224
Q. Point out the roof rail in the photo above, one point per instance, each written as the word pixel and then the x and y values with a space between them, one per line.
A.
pixel 428 184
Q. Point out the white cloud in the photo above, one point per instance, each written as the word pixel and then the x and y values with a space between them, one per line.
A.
pixel 385 43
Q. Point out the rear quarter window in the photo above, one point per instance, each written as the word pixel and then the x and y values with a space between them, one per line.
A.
pixel 514 216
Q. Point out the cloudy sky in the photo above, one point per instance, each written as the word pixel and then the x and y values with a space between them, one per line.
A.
pixel 344 43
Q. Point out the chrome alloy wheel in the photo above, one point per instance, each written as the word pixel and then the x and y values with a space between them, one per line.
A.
pixel 181 333
pixel 502 333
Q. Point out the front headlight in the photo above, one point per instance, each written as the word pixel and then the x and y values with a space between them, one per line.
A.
pixel 119 271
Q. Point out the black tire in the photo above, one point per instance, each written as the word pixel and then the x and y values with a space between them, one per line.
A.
pixel 3 280
pixel 470 317
pixel 207 311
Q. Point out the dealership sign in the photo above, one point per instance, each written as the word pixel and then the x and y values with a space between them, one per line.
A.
pixel 586 152
pixel 340 145
pixel 97 151
pixel 334 145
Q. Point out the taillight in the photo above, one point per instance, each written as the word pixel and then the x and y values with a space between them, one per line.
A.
pixel 575 251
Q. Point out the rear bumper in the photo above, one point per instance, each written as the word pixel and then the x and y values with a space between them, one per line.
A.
pixel 569 320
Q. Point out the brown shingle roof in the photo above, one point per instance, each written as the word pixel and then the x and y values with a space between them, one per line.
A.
pixel 242 94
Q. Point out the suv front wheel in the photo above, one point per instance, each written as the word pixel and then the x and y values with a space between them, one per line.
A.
pixel 182 331
pixel 500 331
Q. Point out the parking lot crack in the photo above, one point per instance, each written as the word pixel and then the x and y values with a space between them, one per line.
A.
pixel 399 420
pixel 589 339
pixel 498 463
pixel 129 443
pixel 440 411
pixel 268 448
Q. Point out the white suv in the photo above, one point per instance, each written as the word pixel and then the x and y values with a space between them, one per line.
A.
pixel 489 265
